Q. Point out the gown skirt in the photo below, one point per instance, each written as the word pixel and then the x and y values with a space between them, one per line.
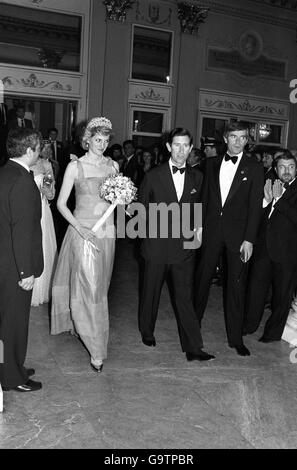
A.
pixel 82 278
pixel 43 284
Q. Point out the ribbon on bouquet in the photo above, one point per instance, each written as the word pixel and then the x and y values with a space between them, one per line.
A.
pixel 88 255
pixel 106 214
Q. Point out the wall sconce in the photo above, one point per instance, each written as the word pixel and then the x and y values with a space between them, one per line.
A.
pixel 116 9
pixel 190 16
pixel 264 131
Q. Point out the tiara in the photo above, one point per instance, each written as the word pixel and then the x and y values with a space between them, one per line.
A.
pixel 99 122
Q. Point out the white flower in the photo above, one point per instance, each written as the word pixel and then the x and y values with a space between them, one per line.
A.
pixel 118 188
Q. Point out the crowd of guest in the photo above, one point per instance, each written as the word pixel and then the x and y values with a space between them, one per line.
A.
pixel 251 237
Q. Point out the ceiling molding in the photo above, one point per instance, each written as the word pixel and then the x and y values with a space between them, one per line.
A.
pixel 257 13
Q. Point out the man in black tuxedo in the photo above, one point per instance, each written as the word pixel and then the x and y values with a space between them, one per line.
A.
pixel 232 204
pixel 3 132
pixel 267 161
pixel 21 258
pixel 275 255
pixel 19 120
pixel 167 255
pixel 130 166
pixel 57 150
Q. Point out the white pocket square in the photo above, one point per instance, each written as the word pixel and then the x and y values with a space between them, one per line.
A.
pixel 193 191
pixel 244 179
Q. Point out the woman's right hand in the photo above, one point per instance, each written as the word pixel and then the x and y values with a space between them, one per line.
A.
pixel 86 233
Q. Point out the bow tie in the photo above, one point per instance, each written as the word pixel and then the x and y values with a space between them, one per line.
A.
pixel 32 173
pixel 175 169
pixel 286 185
pixel 233 159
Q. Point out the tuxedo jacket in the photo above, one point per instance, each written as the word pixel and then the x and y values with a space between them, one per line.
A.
pixel 270 175
pixel 240 216
pixel 13 124
pixel 20 231
pixel 3 116
pixel 158 187
pixel 131 169
pixel 59 151
pixel 278 233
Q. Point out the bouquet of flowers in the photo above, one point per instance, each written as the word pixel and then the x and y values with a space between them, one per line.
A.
pixel 116 189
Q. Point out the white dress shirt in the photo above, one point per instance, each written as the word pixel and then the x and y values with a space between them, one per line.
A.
pixel 227 173
pixel 21 122
pixel 178 180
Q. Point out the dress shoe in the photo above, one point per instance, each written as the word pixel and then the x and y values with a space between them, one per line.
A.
pixel 29 386
pixel 97 369
pixel 199 356
pixel 30 372
pixel 264 339
pixel 241 350
pixel 149 342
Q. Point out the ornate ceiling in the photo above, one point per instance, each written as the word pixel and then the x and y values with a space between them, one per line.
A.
pixel 287 4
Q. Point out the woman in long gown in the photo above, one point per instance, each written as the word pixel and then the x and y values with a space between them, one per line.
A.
pixel 44 179
pixel 81 282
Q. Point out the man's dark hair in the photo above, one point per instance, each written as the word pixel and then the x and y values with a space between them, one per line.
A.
pixel 236 126
pixel 126 142
pixel 197 152
pixel 21 138
pixel 285 155
pixel 52 129
pixel 179 132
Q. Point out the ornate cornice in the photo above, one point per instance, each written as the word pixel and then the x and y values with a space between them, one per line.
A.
pixel 240 10
pixel 244 106
pixel 285 4
pixel 33 82
pixel 230 103
pixel 149 95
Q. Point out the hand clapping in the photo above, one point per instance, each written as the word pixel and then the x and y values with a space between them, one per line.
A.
pixel 277 189
pixel 273 191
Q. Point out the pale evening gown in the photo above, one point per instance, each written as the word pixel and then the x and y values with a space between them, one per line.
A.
pixel 43 285
pixel 82 278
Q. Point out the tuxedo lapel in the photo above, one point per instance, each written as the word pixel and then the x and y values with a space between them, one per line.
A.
pixel 216 178
pixel 167 182
pixel 290 190
pixel 188 185
pixel 239 175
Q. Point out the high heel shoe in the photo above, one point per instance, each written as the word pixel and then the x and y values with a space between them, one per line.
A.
pixel 97 369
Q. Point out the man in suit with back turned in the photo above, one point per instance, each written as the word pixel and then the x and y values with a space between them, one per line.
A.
pixel 21 257
pixel 232 204
pixel 275 257
pixel 168 256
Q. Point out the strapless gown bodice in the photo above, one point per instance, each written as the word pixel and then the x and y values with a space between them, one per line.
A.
pixel 89 206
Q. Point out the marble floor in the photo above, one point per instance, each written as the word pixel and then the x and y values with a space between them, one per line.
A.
pixel 152 398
